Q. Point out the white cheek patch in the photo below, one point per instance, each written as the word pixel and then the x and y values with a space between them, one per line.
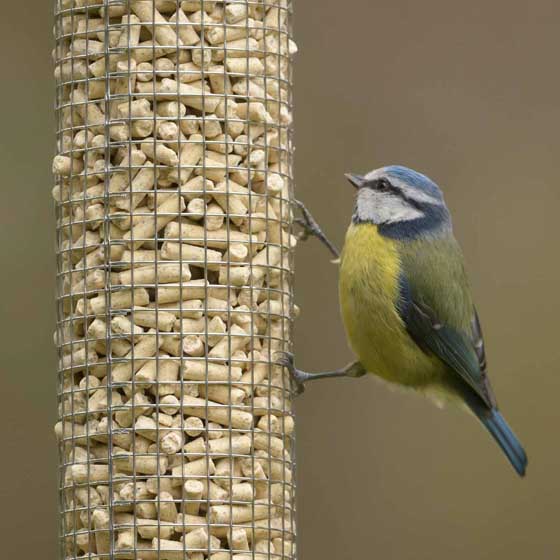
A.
pixel 385 208
pixel 403 212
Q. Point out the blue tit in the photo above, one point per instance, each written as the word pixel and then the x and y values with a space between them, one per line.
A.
pixel 406 302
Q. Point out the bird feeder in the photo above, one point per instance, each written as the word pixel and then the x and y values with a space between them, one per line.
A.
pixel 173 187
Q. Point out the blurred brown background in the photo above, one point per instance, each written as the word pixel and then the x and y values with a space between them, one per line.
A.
pixel 465 92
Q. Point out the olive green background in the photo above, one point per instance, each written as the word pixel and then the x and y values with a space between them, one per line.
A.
pixel 466 92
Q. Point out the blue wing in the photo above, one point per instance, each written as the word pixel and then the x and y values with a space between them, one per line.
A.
pixel 463 352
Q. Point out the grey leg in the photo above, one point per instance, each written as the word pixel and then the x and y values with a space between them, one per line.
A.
pixel 311 227
pixel 286 359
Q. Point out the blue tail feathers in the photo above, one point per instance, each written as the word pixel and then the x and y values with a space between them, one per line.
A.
pixel 496 424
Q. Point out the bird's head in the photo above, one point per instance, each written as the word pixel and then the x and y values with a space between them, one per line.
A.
pixel 402 202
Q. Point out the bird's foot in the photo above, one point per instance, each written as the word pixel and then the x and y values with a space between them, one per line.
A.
pixel 310 227
pixel 355 369
pixel 286 360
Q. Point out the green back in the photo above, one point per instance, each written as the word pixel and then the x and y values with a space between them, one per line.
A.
pixel 437 278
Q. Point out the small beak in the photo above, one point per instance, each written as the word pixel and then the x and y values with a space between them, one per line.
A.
pixel 356 181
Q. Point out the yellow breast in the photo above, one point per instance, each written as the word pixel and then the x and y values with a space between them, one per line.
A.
pixel 369 291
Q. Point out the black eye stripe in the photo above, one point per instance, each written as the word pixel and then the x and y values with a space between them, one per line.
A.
pixel 384 185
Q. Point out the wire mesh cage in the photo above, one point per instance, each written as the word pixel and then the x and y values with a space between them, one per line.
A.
pixel 174 278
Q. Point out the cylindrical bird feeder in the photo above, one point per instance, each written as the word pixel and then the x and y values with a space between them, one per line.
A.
pixel 174 287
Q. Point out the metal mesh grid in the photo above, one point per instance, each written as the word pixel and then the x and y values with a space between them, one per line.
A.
pixel 174 252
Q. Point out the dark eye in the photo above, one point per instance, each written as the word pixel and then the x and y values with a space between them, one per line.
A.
pixel 383 185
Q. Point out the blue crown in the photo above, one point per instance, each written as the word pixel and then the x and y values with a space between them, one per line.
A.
pixel 413 179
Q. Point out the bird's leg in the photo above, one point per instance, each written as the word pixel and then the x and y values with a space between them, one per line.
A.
pixel 311 227
pixel 286 359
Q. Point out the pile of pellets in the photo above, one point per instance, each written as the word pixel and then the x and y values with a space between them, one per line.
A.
pixel 173 178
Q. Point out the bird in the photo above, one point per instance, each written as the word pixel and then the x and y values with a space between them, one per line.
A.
pixel 406 302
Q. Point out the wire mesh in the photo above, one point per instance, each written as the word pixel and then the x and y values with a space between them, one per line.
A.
pixel 174 278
